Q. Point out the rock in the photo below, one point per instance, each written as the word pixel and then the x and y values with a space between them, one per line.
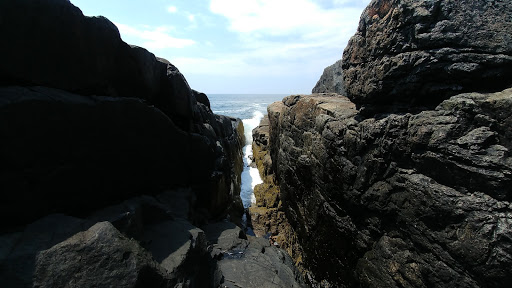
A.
pixel 225 236
pixel 404 200
pixel 181 249
pixel 116 119
pixel 172 246
pixel 261 265
pixel 18 250
pixel 202 98
pixel 420 53
pixel 89 259
pixel 102 63
pixel 331 80
pixel 267 217
pixel 246 261
pixel 103 149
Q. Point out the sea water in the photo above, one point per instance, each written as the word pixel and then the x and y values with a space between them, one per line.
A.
pixel 250 108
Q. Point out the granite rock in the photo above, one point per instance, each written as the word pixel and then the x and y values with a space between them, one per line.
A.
pixel 418 53
pixel 404 200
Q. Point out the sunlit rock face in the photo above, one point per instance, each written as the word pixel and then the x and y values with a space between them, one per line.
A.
pixel 407 181
pixel 418 53
pixel 415 200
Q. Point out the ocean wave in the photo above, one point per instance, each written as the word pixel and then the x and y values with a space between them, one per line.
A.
pixel 250 124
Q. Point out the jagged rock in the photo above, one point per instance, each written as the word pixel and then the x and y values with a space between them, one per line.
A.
pixel 404 200
pixel 331 80
pixel 98 257
pixel 422 52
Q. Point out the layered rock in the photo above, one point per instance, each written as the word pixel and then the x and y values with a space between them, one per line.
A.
pixel 115 139
pixel 422 52
pixel 89 120
pixel 331 80
pixel 406 200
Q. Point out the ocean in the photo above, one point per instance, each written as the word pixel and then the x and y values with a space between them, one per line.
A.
pixel 250 108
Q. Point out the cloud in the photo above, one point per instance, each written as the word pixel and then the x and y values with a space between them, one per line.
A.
pixel 154 38
pixel 303 18
pixel 172 9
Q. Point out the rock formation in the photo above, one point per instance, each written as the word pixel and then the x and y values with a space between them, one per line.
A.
pixel 331 80
pixel 421 52
pixel 83 113
pixel 405 183
pixel 406 200
pixel 110 163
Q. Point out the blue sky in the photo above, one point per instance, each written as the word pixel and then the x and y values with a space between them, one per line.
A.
pixel 238 46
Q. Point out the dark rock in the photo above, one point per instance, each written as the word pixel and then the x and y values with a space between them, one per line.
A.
pixel 61 48
pixel 246 261
pixel 18 250
pixel 121 123
pixel 173 248
pixel 89 258
pixel 70 153
pixel 331 80
pixel 86 122
pixel 422 52
pixel 202 98
pixel 402 200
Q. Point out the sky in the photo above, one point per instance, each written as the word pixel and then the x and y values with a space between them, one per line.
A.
pixel 238 46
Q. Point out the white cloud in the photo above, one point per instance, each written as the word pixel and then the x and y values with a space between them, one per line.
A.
pixel 154 38
pixel 172 9
pixel 305 18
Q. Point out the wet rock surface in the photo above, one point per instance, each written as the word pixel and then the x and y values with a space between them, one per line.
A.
pixel 404 200
pixel 419 53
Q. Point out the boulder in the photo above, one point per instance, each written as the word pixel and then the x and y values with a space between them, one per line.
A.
pixel 331 80
pixel 420 53
pixel 246 261
pixel 98 257
pixel 404 200
pixel 18 250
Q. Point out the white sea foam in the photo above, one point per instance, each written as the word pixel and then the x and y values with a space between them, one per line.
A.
pixel 249 108
pixel 250 176
pixel 250 124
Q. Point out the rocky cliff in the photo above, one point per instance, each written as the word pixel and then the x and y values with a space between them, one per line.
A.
pixel 418 53
pixel 405 183
pixel 331 80
pixel 109 163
